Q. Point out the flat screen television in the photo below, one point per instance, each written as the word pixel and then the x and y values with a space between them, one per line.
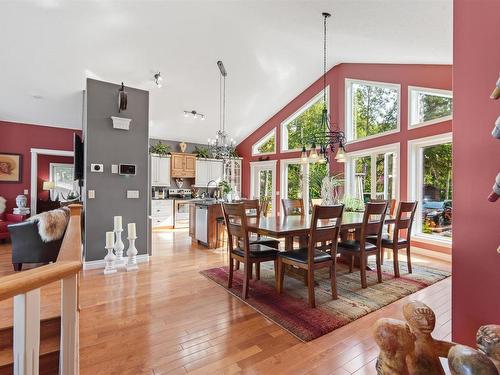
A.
pixel 78 158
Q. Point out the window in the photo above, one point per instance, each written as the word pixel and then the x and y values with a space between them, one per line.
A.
pixel 62 176
pixel 430 163
pixel 372 173
pixel 372 109
pixel 266 145
pixel 263 182
pixel 429 106
pixel 300 128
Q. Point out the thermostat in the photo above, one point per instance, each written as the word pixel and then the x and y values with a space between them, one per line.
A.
pixel 127 169
pixel 97 168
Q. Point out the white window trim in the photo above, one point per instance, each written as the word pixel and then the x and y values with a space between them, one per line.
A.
pixel 283 133
pixel 348 124
pixel 284 181
pixel 431 91
pixel 415 176
pixel 263 140
pixel 349 166
pixel 267 164
pixel 51 176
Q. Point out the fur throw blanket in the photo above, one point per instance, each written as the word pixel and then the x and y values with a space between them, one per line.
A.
pixel 2 205
pixel 52 224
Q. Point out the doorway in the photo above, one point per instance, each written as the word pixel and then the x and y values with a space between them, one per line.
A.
pixel 263 183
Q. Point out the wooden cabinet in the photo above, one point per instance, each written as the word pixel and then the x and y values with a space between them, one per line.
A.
pixel 209 224
pixel 208 170
pixel 192 220
pixel 183 165
pixel 160 170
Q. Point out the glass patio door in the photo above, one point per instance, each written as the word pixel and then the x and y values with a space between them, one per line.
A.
pixel 263 185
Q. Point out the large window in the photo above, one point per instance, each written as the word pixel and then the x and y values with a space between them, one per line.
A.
pixel 431 184
pixel 299 129
pixel 62 176
pixel 266 145
pixel 372 109
pixel 372 173
pixel 429 106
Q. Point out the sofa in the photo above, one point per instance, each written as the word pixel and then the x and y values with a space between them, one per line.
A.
pixel 5 221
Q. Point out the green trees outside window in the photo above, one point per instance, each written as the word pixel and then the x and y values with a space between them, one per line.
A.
pixel 301 130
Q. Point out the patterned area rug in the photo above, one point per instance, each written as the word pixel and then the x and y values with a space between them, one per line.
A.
pixel 291 310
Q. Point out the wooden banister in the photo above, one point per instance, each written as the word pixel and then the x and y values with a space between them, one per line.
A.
pixel 71 248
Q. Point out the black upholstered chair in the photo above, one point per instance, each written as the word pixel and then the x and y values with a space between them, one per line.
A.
pixel 28 247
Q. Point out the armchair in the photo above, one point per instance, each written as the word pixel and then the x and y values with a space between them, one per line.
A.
pixel 5 220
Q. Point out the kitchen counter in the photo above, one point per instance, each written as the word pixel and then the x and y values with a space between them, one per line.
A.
pixel 203 216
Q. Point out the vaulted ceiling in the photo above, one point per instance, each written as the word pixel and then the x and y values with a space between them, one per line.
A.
pixel 271 50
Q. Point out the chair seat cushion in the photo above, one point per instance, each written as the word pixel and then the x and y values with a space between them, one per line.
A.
pixel 257 251
pixel 268 241
pixel 387 240
pixel 300 255
pixel 352 245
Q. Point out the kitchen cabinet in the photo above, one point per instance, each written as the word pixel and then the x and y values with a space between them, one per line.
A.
pixel 208 170
pixel 183 165
pixel 162 213
pixel 160 170
pixel 203 223
pixel 232 174
pixel 192 220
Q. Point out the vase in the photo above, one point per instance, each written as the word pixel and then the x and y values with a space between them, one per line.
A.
pixel 21 201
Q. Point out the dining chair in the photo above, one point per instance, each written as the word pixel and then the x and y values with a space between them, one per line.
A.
pixel 244 252
pixel 293 206
pixel 373 222
pixel 325 228
pixel 252 208
pixel 391 207
pixel 395 242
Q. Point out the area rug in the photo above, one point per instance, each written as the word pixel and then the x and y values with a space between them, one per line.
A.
pixel 291 310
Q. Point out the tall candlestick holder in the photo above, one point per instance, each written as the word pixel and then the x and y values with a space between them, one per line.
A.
pixel 109 261
pixel 132 255
pixel 119 246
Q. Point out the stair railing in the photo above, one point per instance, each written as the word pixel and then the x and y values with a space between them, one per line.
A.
pixel 25 286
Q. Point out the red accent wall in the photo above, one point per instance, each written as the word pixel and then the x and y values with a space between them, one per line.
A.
pixel 476 158
pixel 44 171
pixel 21 138
pixel 431 76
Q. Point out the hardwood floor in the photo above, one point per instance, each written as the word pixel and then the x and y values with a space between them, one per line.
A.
pixel 168 319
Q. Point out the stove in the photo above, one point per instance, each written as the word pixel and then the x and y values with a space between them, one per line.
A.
pixel 181 206
pixel 180 193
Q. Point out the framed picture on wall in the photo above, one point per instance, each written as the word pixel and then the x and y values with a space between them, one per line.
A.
pixel 11 166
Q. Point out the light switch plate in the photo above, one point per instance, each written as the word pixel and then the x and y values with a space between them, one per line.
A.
pixel 132 194
pixel 91 194
pixel 26 192
pixel 114 168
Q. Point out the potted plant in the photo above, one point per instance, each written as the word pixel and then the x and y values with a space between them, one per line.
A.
pixel 353 204
pixel 226 189
pixel 160 148
pixel 201 152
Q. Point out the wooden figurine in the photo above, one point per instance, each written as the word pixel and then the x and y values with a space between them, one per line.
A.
pixel 488 342
pixel 463 360
pixel 425 358
pixel 396 342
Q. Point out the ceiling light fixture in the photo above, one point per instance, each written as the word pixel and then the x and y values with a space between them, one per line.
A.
pixel 329 138
pixel 194 115
pixel 158 79
pixel 221 147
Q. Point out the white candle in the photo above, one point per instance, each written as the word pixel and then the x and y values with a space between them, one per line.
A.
pixel 110 239
pixel 118 223
pixel 131 230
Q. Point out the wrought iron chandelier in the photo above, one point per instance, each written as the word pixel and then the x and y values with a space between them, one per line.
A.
pixel 221 147
pixel 329 138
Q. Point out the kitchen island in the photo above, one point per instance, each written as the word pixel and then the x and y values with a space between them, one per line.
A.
pixel 203 214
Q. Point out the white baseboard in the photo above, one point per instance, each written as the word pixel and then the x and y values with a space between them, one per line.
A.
pixel 431 254
pixel 94 264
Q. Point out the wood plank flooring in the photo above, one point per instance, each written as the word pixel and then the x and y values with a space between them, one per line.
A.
pixel 168 319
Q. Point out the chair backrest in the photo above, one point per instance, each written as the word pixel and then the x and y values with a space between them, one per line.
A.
pixel 373 221
pixel 325 228
pixel 293 206
pixel 236 224
pixel 404 218
pixel 252 206
pixel 391 208
pixel 264 205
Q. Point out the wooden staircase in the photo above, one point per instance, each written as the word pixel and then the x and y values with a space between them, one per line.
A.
pixel 50 336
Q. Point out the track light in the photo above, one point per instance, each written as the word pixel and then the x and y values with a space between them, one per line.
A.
pixel 194 115
pixel 158 79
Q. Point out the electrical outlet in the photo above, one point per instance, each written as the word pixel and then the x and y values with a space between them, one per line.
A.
pixel 26 192
pixel 132 194
pixel 91 194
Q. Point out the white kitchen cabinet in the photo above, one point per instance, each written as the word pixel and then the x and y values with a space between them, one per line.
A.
pixel 201 173
pixel 162 213
pixel 160 170
pixel 208 170
pixel 232 174
pixel 216 171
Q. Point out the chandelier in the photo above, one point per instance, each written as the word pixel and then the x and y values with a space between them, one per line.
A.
pixel 221 147
pixel 329 138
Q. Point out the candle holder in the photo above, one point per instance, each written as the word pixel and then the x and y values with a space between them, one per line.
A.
pixel 119 246
pixel 109 260
pixel 132 255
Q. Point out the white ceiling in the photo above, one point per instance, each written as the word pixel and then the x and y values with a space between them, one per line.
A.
pixel 271 50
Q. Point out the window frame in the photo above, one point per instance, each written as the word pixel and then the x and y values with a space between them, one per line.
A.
pixel 415 182
pixel 263 140
pixel 431 91
pixel 301 110
pixel 348 121
pixel 349 183
pixel 51 178
pixel 255 167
